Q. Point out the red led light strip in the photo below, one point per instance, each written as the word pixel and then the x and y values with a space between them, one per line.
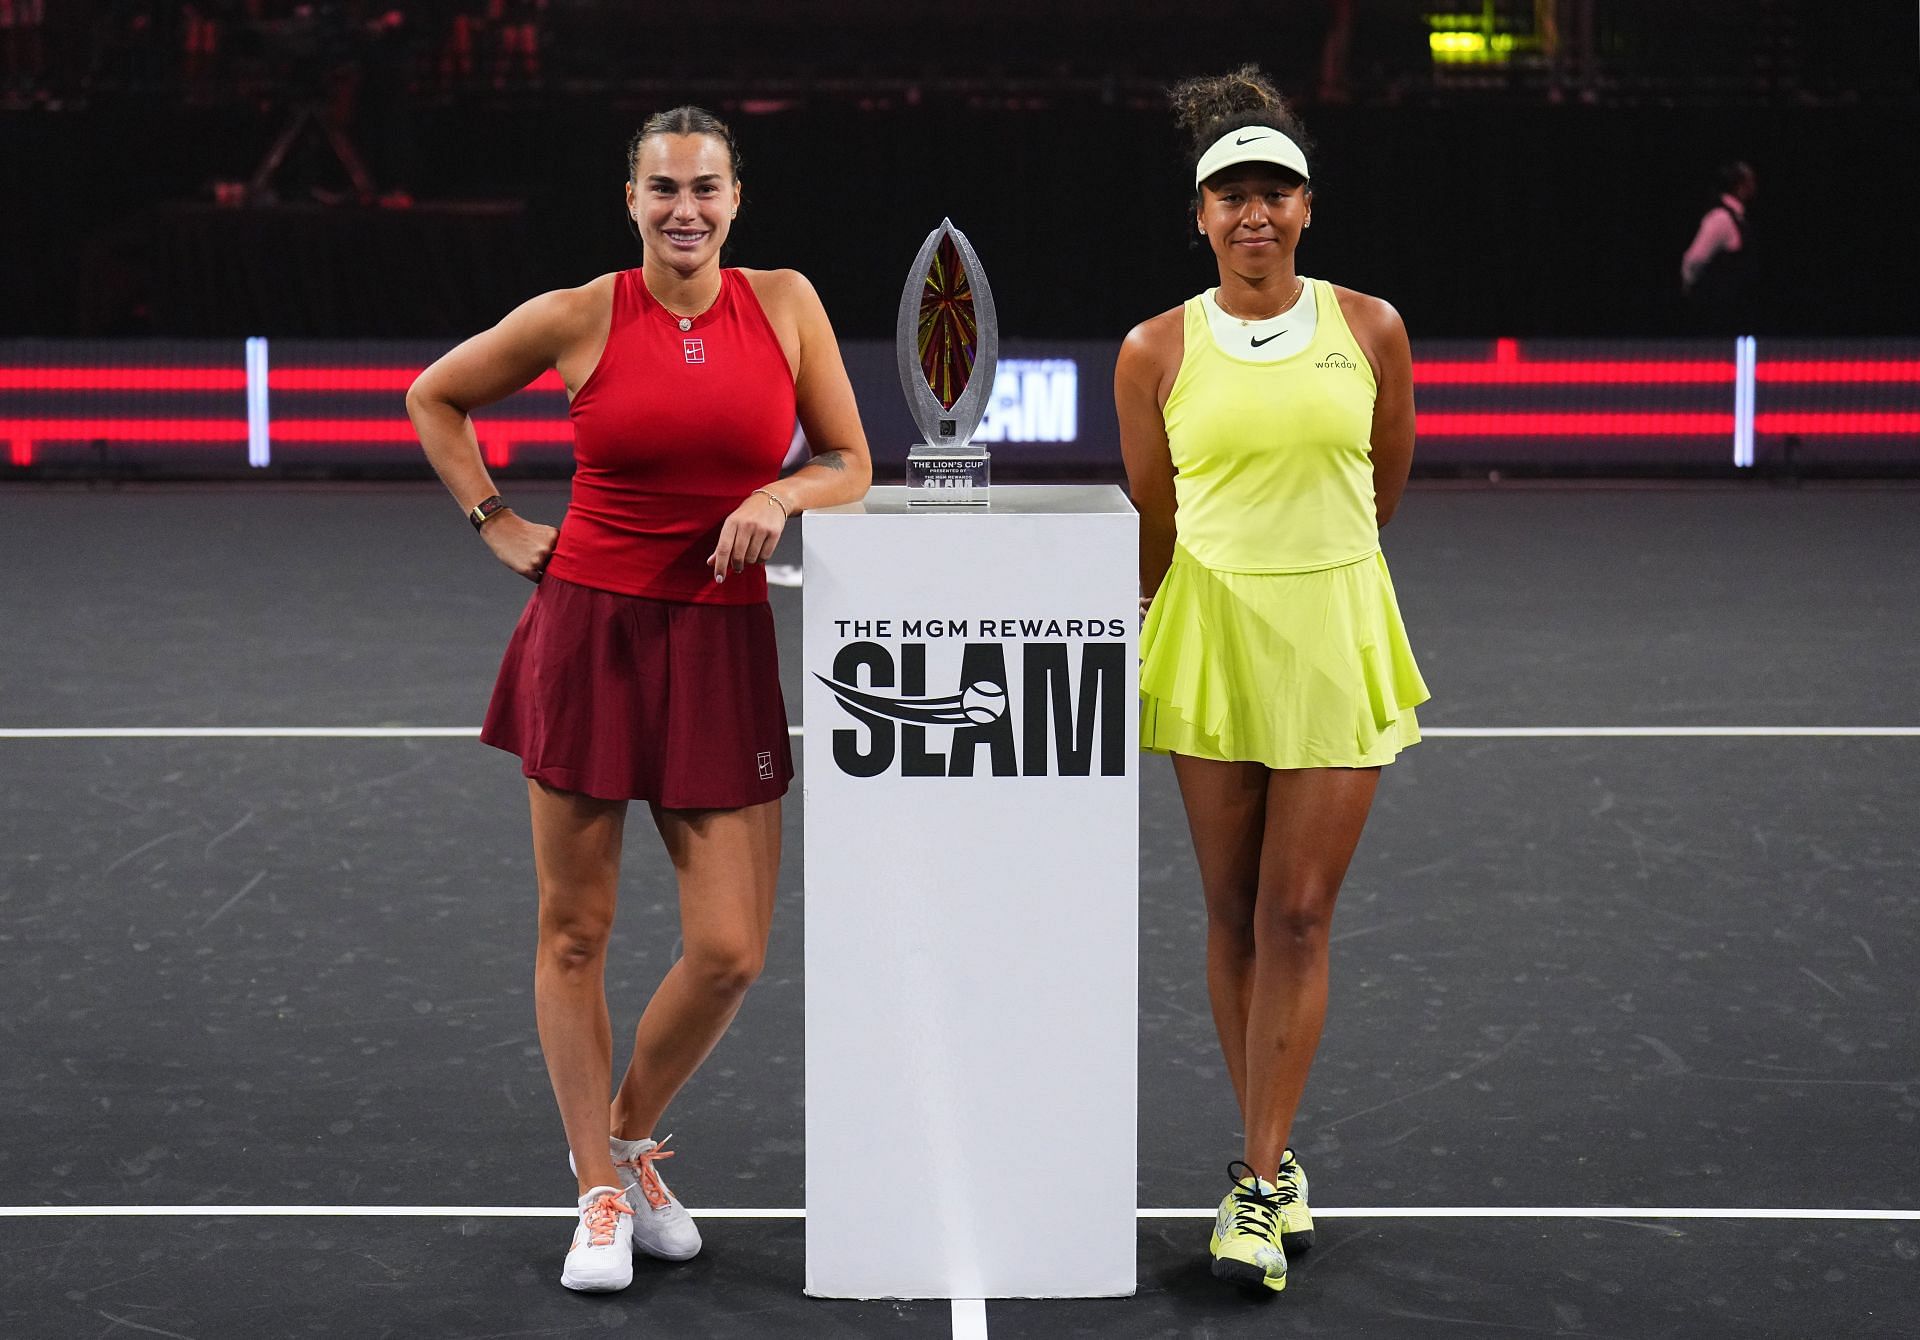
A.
pixel 399 430
pixel 1649 373
pixel 373 379
pixel 21 434
pixel 1809 423
pixel 1507 371
pixel 1588 373
pixel 1583 424
pixel 497 436
pixel 123 379
pixel 1856 423
pixel 225 379
pixel 1831 373
pixel 125 430
pixel 379 431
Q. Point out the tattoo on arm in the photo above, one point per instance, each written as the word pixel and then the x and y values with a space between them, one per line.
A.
pixel 831 460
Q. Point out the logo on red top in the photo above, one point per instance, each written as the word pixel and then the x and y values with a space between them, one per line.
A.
pixel 696 350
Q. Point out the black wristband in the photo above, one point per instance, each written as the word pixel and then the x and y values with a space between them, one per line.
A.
pixel 486 508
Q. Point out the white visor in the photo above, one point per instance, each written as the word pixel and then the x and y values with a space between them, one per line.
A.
pixel 1250 144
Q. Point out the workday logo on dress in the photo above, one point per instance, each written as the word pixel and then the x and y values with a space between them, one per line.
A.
pixel 1338 360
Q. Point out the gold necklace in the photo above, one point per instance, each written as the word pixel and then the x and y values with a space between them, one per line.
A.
pixel 1299 284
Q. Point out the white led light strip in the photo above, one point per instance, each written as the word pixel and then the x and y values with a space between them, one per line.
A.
pixel 259 451
pixel 1745 356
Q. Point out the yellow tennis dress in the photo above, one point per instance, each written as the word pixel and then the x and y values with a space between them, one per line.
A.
pixel 1275 637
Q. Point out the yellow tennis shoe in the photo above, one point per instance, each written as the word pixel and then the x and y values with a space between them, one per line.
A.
pixel 1296 1220
pixel 1246 1233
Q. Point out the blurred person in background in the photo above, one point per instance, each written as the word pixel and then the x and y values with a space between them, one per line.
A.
pixel 1716 273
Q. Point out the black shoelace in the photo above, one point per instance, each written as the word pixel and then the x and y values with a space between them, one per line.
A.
pixel 1288 1180
pixel 1254 1211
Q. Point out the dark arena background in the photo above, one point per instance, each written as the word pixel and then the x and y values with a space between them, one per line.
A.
pixel 353 187
pixel 1623 1039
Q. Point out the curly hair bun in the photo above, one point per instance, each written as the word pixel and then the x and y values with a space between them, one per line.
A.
pixel 1208 107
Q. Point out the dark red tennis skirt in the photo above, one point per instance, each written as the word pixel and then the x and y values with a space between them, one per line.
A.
pixel 626 698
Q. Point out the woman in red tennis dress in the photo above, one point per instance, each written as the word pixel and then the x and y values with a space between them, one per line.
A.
pixel 644 667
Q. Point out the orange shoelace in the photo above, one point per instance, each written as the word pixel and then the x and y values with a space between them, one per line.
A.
pixel 603 1219
pixel 642 1165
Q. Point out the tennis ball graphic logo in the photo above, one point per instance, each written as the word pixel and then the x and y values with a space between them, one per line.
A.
pixel 983 702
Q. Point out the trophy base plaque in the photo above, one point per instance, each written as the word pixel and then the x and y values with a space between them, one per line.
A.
pixel 947 476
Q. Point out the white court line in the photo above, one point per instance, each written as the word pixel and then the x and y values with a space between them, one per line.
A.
pixel 969 1318
pixel 1556 1212
pixel 250 733
pixel 342 1212
pixel 470 732
pixel 1650 732
pixel 569 1212
pixel 243 733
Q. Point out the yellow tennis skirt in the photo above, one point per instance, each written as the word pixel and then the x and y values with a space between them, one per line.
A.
pixel 1293 670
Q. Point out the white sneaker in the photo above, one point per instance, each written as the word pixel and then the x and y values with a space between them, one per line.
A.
pixel 601 1258
pixel 661 1225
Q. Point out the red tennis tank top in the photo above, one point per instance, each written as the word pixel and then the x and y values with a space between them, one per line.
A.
pixel 672 430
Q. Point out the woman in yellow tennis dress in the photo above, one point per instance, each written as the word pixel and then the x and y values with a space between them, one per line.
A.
pixel 1267 427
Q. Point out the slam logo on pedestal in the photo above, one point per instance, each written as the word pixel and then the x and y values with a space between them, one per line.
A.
pixel 1066 720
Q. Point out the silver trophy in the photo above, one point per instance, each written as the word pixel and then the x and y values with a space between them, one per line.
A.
pixel 947 340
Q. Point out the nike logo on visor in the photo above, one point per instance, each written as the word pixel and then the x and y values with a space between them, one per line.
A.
pixel 1251 138
pixel 1270 339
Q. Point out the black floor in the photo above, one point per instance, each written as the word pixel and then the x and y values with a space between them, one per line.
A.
pixel 1642 973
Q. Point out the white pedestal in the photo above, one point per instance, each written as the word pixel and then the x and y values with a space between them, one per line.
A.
pixel 971 896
